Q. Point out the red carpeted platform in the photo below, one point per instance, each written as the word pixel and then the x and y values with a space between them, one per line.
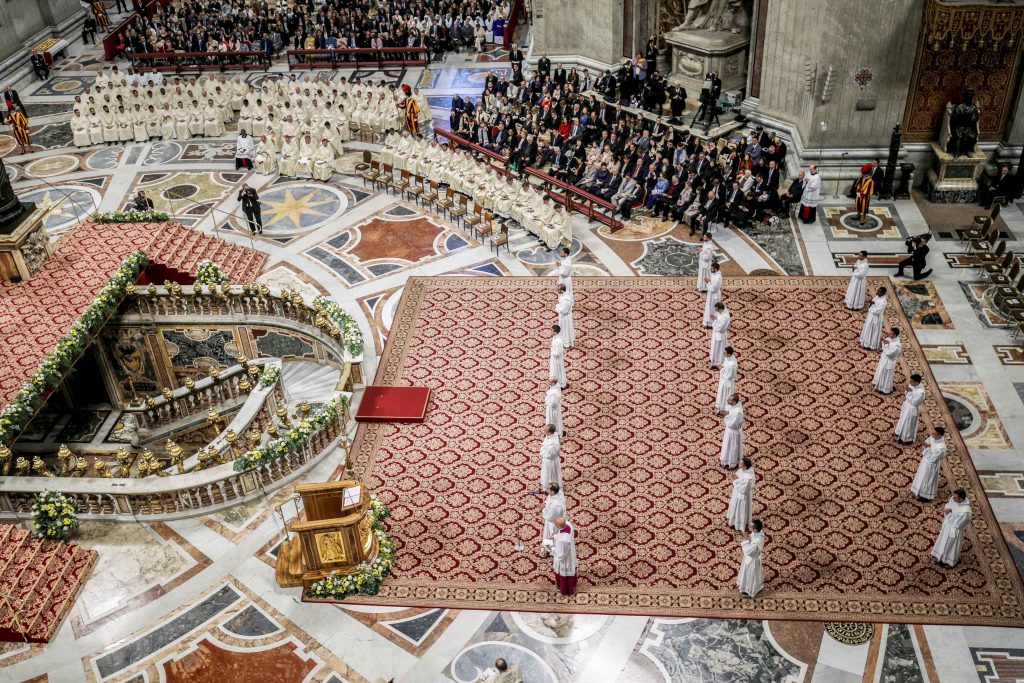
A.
pixel 393 404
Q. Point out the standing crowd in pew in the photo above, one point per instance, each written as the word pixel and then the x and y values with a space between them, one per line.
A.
pixel 123 108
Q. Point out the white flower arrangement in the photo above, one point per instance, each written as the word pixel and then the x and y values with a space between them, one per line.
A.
pixel 210 273
pixel 269 375
pixel 369 576
pixel 350 332
pixel 70 347
pixel 292 440
pixel 131 217
pixel 53 516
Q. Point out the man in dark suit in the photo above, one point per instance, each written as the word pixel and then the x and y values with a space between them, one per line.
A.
pixel 251 208
pixel 707 215
pixel 1002 186
pixel 917 247
pixel 13 100
pixel 544 65
pixel 793 194
pixel 560 75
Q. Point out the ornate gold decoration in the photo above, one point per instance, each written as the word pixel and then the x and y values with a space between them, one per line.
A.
pixel 40 467
pixel 272 431
pixel 130 289
pixel 304 408
pixel 5 459
pixel 190 384
pixel 254 370
pixel 365 537
pixel 168 394
pixel 282 414
pixel 152 291
pixel 214 372
pixel 81 467
pixel 264 291
pixel 253 437
pixel 64 457
pixel 124 463
pixel 232 438
pixel 22 467
pixel 850 632
pixel 101 469
pixel 216 420
pixel 150 402
pixel 330 547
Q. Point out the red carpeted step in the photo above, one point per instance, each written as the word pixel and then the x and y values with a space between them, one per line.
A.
pixel 49 619
pixel 21 579
pixel 11 550
pixel 49 587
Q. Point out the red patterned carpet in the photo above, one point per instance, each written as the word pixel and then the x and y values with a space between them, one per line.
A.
pixel 845 539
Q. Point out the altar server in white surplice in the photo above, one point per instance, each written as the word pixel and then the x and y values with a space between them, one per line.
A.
pixel 858 288
pixel 871 335
pixel 565 269
pixel 714 295
pixel 720 320
pixel 886 370
pixel 732 438
pixel 551 459
pixel 553 407
pixel 954 526
pixel 741 503
pixel 926 480
pixel 726 379
pixel 563 551
pixel 564 310
pixel 906 426
pixel 554 507
pixel 556 366
pixel 751 578
pixel 704 259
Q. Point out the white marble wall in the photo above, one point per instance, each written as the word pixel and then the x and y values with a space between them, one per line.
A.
pixel 591 29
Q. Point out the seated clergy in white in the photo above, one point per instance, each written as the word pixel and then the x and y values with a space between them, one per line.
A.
pixel 266 156
pixel 704 259
pixel 289 155
pixel 871 335
pixel 732 438
pixel 858 286
pixel 553 406
pixel 304 162
pixel 751 576
pixel 714 290
pixel 954 526
pixel 741 502
pixel 554 507
pixel 550 459
pixel 926 480
pixel 563 307
pixel 720 320
pixel 556 365
pixel 323 162
pixel 563 551
pixel 563 224
pixel 885 373
pixel 726 379
pixel 906 426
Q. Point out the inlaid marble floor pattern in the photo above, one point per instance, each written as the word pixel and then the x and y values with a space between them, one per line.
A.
pixel 196 599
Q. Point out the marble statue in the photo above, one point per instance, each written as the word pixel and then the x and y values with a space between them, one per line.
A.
pixel 716 15
pixel 963 126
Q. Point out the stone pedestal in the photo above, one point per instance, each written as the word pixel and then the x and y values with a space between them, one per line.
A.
pixel 24 246
pixel 954 180
pixel 696 52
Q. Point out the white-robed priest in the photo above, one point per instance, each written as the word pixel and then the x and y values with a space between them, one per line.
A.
pixel 741 502
pixel 551 459
pixel 563 308
pixel 751 577
pixel 858 287
pixel 554 507
pixel 556 365
pixel 885 372
pixel 954 526
pixel 726 379
pixel 871 335
pixel 906 426
pixel 553 406
pixel 732 437
pixel 926 480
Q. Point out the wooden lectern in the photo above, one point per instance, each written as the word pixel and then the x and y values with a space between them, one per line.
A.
pixel 332 533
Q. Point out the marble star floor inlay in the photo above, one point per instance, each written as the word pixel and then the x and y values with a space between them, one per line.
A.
pixel 195 599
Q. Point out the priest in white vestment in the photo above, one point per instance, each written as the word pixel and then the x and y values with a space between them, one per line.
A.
pixel 564 309
pixel 726 379
pixel 720 320
pixel 289 154
pixel 556 365
pixel 563 551
pixel 858 286
pixel 553 407
pixel 906 426
pixel 551 459
pixel 323 162
pixel 714 283
pixel 954 526
pixel 741 502
pixel 751 577
pixel 565 269
pixel 704 259
pixel 871 335
pixel 501 672
pixel 554 507
pixel 266 156
pixel 926 480
pixel 80 130
pixel 732 438
pixel 886 370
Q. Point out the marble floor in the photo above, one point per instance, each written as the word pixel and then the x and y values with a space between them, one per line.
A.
pixel 196 599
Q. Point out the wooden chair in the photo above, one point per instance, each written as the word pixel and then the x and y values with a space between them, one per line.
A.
pixel 402 184
pixel 1006 278
pixel 430 196
pixel 1010 297
pixel 446 202
pixel 367 158
pixel 986 241
pixel 501 240
pixel 1000 266
pixel 371 173
pixel 486 228
pixel 387 177
pixel 460 209
pixel 994 256
pixel 474 218
pixel 415 189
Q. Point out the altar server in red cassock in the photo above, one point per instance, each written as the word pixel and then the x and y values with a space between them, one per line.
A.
pixel 563 552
